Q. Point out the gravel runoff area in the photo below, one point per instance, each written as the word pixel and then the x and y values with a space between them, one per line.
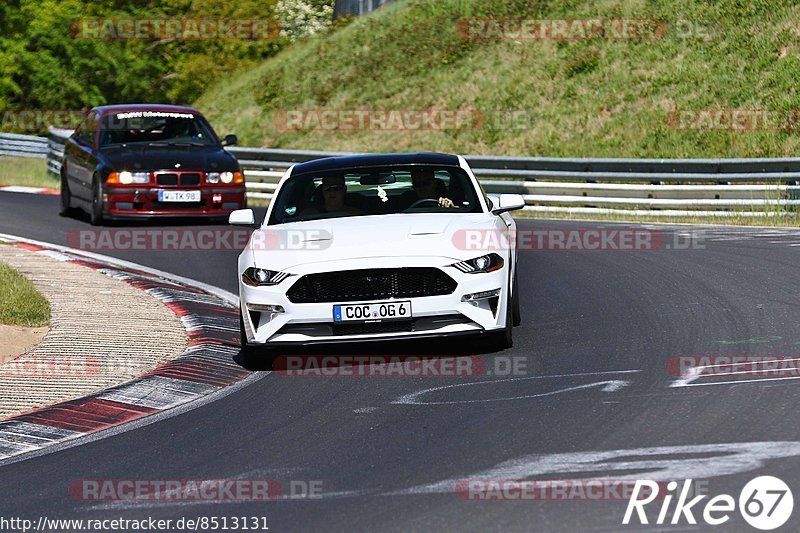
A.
pixel 103 332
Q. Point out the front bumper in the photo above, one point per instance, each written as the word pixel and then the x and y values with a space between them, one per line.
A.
pixel 433 316
pixel 130 202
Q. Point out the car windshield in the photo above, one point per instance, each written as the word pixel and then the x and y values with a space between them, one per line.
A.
pixel 375 191
pixel 157 128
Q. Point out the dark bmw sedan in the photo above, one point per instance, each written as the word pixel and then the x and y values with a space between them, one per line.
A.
pixel 127 161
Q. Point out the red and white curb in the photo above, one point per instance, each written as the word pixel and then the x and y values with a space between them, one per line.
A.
pixel 28 190
pixel 207 365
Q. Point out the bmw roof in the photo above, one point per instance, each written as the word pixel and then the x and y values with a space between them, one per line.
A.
pixel 118 108
pixel 375 160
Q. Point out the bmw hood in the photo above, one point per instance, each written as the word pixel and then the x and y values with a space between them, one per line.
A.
pixel 148 158
pixel 450 237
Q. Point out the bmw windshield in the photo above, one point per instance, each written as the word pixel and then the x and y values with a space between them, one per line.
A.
pixel 156 128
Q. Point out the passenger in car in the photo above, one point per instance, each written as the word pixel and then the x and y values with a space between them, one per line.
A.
pixel 334 191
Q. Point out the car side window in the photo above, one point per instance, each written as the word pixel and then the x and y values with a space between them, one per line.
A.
pixel 92 122
pixel 82 126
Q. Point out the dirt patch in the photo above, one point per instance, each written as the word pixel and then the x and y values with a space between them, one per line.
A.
pixel 17 340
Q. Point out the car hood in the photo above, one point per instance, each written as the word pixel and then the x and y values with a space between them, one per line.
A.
pixel 402 235
pixel 169 158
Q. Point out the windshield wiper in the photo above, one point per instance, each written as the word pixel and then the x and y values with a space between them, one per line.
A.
pixel 175 143
pixel 188 143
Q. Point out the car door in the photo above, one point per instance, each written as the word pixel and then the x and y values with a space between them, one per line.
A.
pixel 79 158
pixel 69 163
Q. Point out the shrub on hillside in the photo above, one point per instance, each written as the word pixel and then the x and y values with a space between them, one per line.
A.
pixel 303 18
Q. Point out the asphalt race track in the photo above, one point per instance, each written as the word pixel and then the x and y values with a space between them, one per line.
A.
pixel 599 329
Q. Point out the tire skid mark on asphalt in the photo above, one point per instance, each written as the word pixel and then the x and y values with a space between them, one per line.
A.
pixel 611 385
pixel 205 367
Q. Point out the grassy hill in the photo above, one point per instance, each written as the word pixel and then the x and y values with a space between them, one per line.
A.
pixel 590 98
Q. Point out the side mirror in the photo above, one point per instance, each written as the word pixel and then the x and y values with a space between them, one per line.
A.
pixel 507 202
pixel 242 217
pixel 230 140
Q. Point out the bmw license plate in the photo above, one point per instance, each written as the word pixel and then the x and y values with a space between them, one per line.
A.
pixel 372 312
pixel 178 196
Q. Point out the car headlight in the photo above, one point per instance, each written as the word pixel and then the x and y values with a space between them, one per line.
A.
pixel 224 177
pixel 259 276
pixel 126 178
pixel 484 263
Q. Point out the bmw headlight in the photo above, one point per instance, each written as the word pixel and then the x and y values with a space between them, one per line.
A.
pixel 484 263
pixel 217 177
pixel 259 276
pixel 126 178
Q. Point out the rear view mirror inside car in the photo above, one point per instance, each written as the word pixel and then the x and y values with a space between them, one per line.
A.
pixel 378 179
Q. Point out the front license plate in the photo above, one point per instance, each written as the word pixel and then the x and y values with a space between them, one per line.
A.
pixel 372 312
pixel 178 196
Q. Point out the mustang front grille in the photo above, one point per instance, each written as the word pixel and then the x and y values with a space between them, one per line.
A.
pixel 371 284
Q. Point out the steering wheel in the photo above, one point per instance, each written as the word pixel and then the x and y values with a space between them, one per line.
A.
pixel 423 201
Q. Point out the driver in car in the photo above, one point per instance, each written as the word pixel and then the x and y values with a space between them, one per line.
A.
pixel 334 190
pixel 426 187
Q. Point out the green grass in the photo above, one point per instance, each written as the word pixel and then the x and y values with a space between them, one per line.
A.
pixel 585 98
pixel 20 303
pixel 26 171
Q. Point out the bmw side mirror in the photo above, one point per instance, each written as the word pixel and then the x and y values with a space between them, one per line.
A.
pixel 230 140
pixel 242 217
pixel 507 202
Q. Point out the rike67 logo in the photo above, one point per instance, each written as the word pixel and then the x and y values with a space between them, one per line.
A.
pixel 765 503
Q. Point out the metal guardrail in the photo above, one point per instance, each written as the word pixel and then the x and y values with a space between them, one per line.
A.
pixel 671 186
pixel 23 145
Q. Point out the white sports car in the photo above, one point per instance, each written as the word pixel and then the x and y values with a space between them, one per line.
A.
pixel 379 247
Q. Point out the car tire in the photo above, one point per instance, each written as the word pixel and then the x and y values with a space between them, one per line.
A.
pixel 96 214
pixel 517 316
pixel 65 208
